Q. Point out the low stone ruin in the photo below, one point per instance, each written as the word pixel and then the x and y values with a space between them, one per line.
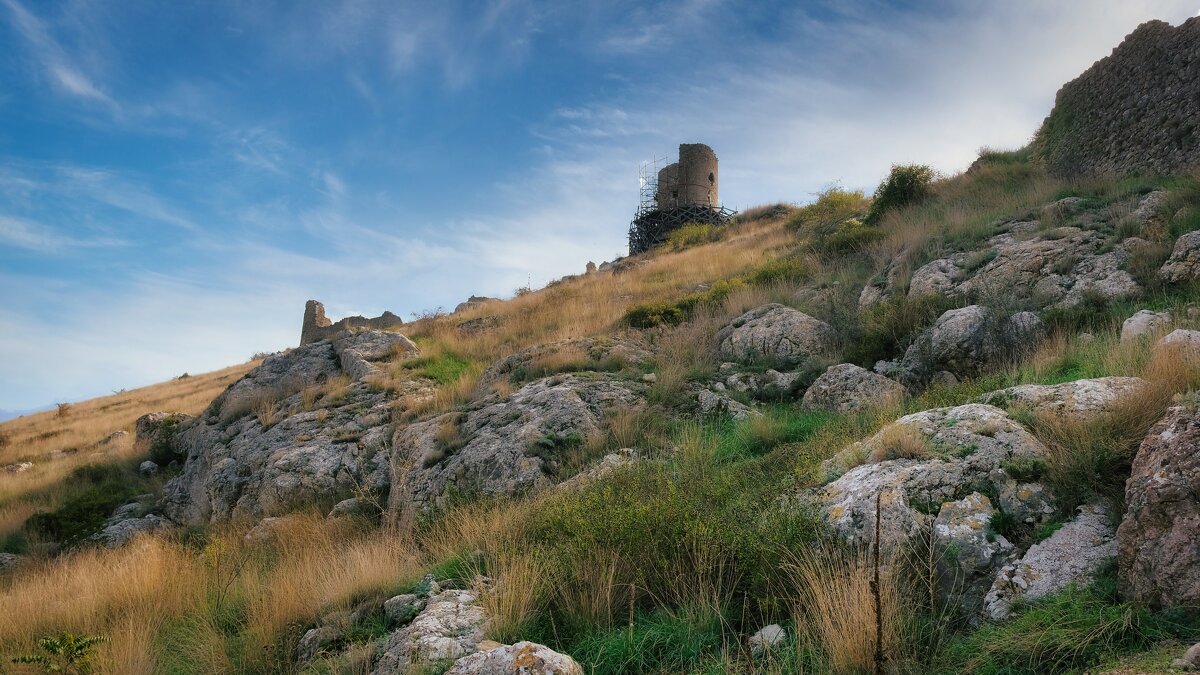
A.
pixel 317 327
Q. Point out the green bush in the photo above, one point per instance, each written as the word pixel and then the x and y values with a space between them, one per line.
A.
pixel 790 269
pixel 887 328
pixel 691 234
pixel 91 495
pixel 906 184
pixel 833 224
pixel 651 314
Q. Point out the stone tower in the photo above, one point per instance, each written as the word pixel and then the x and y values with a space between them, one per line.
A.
pixel 692 181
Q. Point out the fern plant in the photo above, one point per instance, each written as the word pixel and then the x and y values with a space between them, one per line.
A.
pixel 64 653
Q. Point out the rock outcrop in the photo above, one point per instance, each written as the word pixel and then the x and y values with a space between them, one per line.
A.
pixel 1145 324
pixel 1158 555
pixel 775 334
pixel 154 432
pixel 1184 263
pixel 1073 554
pixel 1133 111
pixel 849 388
pixel 450 627
pixel 964 342
pixel 287 435
pixel 316 326
pixel 503 447
pixel 522 658
pixel 1078 398
pixel 928 470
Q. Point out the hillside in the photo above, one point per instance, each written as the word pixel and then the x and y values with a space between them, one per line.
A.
pixel 948 428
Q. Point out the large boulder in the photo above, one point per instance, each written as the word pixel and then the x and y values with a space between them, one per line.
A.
pixel 1074 554
pixel 1145 324
pixel 1184 263
pixel 153 433
pixel 849 388
pixel 522 658
pixel 776 334
pixel 1159 554
pixel 966 341
pixel 1062 266
pixel 1078 398
pixel 269 445
pixel 450 627
pixel 503 447
pixel 929 471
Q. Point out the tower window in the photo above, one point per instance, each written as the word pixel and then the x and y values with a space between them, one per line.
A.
pixel 712 178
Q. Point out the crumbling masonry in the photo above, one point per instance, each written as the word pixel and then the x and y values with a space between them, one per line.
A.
pixel 685 192
pixel 317 327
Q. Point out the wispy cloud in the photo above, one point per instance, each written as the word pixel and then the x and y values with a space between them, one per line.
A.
pixel 34 236
pixel 54 60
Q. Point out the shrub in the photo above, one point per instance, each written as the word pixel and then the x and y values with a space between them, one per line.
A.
pixel 833 224
pixel 889 326
pixel 91 494
pixel 651 314
pixel 906 184
pixel 691 234
pixel 64 653
pixel 765 212
pixel 789 269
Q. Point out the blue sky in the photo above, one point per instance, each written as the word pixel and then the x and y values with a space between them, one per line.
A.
pixel 176 179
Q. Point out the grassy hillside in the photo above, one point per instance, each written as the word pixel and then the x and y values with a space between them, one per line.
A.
pixel 664 567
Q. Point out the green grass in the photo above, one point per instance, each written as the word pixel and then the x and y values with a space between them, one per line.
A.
pixel 445 368
pixel 1068 632
pixel 659 641
pixel 91 493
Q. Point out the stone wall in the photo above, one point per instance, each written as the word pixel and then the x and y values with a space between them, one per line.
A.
pixel 317 326
pixel 1134 111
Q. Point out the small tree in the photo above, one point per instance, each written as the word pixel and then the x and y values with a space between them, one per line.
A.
pixel 906 184
pixel 64 653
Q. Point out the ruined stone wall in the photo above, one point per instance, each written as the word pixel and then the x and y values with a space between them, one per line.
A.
pixel 1134 111
pixel 317 326
pixel 697 179
pixel 692 181
pixel 667 194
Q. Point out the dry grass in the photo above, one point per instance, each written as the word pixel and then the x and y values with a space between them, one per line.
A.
pixel 899 442
pixel 57 444
pixel 835 608
pixel 513 598
pixel 131 595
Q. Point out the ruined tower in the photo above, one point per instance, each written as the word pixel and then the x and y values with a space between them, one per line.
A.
pixel 682 192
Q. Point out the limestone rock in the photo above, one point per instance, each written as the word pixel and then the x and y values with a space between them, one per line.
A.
pixel 973 552
pixel 766 639
pixel 715 403
pixel 153 433
pixel 618 350
pixel 403 608
pixel 1078 398
pixel 849 388
pixel 8 561
pixel 966 341
pixel 119 531
pixel 962 445
pixel 262 450
pixel 1158 556
pixel 317 640
pixel 1184 263
pixel 148 468
pixel 474 301
pixel 1151 206
pixel 1190 659
pixel 1145 324
pixel 354 506
pixel 359 350
pixel 1073 554
pixel 450 627
pixel 776 334
pixel 17 467
pixel 522 658
pixel 771 385
pixel 502 447
pixel 1180 339
pixel 609 463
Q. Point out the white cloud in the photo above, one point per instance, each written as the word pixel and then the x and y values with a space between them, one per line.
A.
pixel 34 236
pixel 66 74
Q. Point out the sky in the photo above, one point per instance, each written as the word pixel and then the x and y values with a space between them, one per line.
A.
pixel 177 179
